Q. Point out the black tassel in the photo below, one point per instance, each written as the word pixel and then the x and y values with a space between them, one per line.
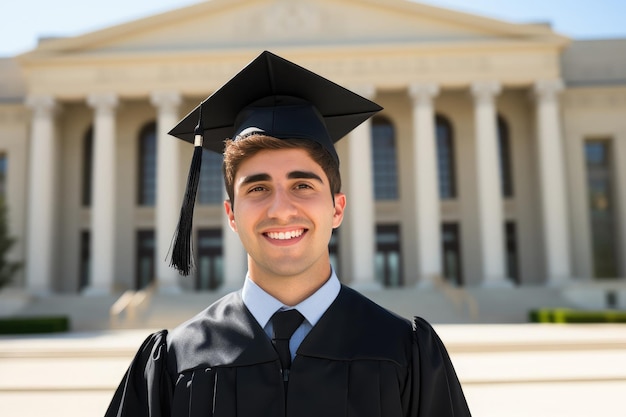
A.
pixel 182 256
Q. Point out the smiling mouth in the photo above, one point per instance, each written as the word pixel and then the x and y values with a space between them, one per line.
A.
pixel 285 235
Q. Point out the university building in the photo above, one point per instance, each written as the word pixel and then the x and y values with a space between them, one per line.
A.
pixel 499 159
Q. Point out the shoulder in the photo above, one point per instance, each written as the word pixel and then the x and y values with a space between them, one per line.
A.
pixel 374 314
pixel 425 337
pixel 222 334
pixel 194 330
pixel 230 304
pixel 152 348
pixel 368 331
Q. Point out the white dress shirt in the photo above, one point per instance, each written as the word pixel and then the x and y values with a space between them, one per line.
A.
pixel 263 306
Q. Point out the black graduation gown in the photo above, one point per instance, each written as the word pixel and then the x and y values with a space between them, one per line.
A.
pixel 359 360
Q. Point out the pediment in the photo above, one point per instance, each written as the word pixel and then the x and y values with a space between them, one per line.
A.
pixel 219 25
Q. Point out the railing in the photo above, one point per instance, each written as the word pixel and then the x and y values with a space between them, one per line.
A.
pixel 128 309
pixel 459 297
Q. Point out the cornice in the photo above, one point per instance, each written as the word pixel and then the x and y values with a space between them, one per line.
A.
pixel 383 48
pixel 383 68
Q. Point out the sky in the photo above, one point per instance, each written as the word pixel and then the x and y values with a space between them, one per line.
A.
pixel 25 21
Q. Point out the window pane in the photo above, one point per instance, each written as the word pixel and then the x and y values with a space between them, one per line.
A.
pixel 452 263
pixel 384 160
pixel 596 153
pixel 510 233
pixel 218 270
pixel 394 269
pixel 379 262
pixel 147 165
pixel 145 258
pixel 87 167
pixel 601 208
pixel 445 158
pixel 211 185
pixel 85 261
pixel 388 259
pixel 204 271
pixel 506 170
pixel 210 271
pixel 210 242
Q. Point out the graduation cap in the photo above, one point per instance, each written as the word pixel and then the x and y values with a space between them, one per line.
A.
pixel 271 96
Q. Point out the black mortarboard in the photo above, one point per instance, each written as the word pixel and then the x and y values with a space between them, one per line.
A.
pixel 281 98
pixel 272 96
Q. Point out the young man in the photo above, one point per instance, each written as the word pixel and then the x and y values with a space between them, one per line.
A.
pixel 293 341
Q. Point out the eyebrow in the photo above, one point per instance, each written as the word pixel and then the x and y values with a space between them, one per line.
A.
pixel 293 175
pixel 297 175
pixel 254 178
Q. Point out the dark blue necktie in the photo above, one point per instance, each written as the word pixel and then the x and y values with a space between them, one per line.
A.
pixel 285 324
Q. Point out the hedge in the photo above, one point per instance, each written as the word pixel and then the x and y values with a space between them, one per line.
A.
pixel 565 315
pixel 30 325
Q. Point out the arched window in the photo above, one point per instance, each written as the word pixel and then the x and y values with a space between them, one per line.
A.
pixel 384 159
pixel 506 169
pixel 445 158
pixel 211 185
pixel 87 167
pixel 147 165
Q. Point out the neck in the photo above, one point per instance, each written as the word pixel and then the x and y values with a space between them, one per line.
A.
pixel 291 290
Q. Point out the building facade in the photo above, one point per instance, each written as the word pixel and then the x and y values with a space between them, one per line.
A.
pixel 498 159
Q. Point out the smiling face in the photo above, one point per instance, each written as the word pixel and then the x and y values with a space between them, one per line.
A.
pixel 284 216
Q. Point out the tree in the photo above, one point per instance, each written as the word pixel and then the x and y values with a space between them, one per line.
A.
pixel 8 268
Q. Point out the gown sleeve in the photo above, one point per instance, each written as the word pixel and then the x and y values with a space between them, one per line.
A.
pixel 145 390
pixel 436 388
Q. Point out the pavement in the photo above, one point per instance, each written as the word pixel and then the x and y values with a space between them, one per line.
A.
pixel 539 370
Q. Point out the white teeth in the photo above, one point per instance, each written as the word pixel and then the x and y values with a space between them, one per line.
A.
pixel 285 235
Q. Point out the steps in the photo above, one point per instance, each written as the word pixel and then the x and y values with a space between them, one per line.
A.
pixel 151 309
pixel 506 369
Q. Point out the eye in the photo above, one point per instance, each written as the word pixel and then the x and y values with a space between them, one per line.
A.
pixel 303 186
pixel 257 189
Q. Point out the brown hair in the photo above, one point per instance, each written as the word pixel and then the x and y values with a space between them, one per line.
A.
pixel 238 151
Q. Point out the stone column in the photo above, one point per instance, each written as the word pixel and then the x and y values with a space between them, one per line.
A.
pixel 427 203
pixel 552 182
pixel 40 265
pixel 235 257
pixel 104 195
pixel 360 207
pixel 169 187
pixel 489 198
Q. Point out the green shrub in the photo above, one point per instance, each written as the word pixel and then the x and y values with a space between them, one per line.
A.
pixel 30 325
pixel 565 315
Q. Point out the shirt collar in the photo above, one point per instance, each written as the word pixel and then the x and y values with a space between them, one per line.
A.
pixel 262 305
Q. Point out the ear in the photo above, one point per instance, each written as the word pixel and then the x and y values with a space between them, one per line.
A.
pixel 340 206
pixel 228 208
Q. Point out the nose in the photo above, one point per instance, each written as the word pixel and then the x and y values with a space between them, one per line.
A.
pixel 281 206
